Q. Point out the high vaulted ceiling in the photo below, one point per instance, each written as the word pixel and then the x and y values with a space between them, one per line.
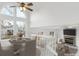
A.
pixel 52 13
pixel 55 13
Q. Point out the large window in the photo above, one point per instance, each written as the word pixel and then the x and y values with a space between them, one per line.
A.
pixel 10 27
pixel 9 12
pixel 6 11
pixel 7 23
pixel 19 13
pixel 7 28
pixel 20 26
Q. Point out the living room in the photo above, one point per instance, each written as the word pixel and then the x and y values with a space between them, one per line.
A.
pixel 46 24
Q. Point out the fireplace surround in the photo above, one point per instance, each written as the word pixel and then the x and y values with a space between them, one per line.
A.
pixel 70 36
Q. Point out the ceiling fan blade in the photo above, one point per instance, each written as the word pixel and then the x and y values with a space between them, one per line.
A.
pixel 30 4
pixel 29 9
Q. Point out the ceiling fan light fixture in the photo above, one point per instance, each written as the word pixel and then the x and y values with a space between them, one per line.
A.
pixel 22 8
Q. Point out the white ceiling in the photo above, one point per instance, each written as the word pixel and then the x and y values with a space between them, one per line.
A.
pixel 55 13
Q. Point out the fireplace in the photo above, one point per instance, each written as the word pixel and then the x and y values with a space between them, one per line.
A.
pixel 70 36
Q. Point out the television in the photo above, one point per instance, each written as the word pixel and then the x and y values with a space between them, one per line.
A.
pixel 70 32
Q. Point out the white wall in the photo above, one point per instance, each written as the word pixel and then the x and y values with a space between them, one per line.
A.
pixel 77 40
pixel 52 14
pixel 58 31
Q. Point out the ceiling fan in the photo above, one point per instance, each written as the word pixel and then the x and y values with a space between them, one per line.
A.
pixel 23 6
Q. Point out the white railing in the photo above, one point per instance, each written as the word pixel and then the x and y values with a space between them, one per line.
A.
pixel 47 45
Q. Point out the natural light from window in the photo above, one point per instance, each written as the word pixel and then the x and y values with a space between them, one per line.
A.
pixel 9 12
pixel 6 12
pixel 20 13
